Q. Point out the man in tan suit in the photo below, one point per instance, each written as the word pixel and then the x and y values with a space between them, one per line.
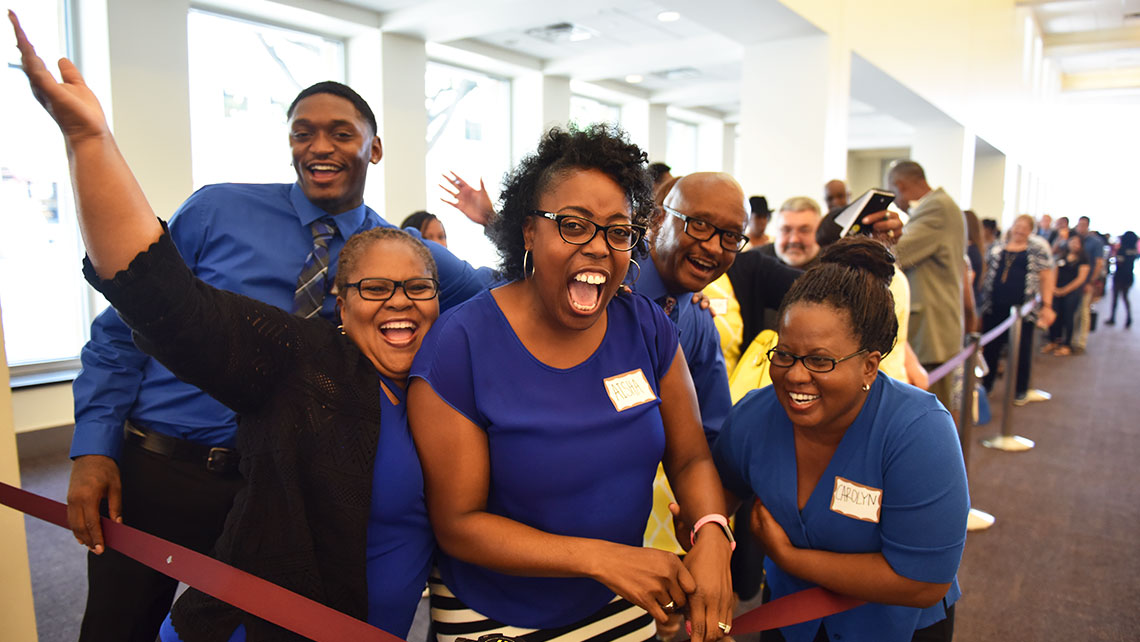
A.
pixel 931 253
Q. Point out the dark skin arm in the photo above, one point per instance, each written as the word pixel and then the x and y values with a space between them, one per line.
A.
pixel 867 576
pixel 692 474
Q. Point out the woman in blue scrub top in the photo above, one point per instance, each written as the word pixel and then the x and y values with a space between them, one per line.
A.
pixel 859 478
pixel 333 504
pixel 541 409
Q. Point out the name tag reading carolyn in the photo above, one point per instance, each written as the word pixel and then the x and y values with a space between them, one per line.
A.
pixel 856 500
pixel 629 389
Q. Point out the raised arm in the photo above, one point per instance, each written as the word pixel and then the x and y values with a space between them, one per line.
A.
pixel 114 217
pixel 474 203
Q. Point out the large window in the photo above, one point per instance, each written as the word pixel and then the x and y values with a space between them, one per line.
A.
pixel 585 111
pixel 243 76
pixel 681 147
pixel 468 132
pixel 44 300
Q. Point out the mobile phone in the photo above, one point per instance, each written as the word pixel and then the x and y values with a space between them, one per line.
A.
pixel 851 218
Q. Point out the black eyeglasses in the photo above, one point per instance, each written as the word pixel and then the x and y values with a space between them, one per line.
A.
pixel 703 230
pixel 419 289
pixel 576 230
pixel 813 362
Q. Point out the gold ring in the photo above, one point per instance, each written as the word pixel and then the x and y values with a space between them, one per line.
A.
pixel 669 607
pixel 724 627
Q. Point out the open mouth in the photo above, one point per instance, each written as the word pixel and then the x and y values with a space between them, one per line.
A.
pixel 801 400
pixel 702 265
pixel 585 290
pixel 323 172
pixel 399 332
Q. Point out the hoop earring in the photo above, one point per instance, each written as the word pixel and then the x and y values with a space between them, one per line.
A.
pixel 340 328
pixel 526 255
pixel 638 266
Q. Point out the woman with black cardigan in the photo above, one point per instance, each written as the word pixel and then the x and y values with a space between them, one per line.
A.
pixel 333 508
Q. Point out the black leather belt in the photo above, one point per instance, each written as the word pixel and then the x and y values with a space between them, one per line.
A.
pixel 216 460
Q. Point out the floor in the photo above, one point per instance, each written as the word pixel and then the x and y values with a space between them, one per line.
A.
pixel 1059 563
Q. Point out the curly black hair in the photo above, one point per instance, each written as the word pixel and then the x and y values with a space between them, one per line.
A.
pixel 600 146
pixel 854 274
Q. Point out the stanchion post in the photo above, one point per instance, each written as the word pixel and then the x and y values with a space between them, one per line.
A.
pixel 1008 441
pixel 978 520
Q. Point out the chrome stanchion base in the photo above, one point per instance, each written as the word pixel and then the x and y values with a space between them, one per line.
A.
pixel 1008 443
pixel 979 520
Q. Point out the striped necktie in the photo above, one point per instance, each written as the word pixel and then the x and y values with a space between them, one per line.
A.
pixel 312 285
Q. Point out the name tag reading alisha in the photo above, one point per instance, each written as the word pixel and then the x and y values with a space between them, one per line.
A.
pixel 856 500
pixel 629 389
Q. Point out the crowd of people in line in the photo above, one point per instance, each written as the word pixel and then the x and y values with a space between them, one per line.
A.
pixel 555 447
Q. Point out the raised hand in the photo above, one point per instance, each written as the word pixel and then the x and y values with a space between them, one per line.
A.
pixel 474 203
pixel 886 226
pixel 70 103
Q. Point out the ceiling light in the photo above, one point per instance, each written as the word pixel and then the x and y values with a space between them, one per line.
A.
pixel 668 16
pixel 561 32
pixel 634 78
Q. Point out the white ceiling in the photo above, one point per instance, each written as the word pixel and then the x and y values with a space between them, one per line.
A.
pixel 694 62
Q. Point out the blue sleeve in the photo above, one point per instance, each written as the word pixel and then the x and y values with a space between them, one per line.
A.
pixel 444 362
pixel 710 376
pixel 925 499
pixel 458 281
pixel 108 384
pixel 106 387
pixel 731 451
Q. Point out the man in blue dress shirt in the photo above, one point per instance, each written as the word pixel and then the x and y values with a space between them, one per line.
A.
pixel 701 228
pixel 159 452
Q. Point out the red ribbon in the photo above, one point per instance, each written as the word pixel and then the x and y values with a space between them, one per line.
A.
pixel 314 620
pixel 247 592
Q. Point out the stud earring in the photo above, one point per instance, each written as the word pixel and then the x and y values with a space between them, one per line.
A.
pixel 866 387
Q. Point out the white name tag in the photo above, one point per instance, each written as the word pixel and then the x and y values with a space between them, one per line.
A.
pixel 856 500
pixel 629 389
pixel 720 306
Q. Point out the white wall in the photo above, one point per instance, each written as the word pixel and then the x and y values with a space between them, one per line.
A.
pixel 17 614
pixel 989 186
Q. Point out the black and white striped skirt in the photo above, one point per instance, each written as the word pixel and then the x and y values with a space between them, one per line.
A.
pixel 618 621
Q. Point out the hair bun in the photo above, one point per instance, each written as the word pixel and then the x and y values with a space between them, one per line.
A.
pixel 862 253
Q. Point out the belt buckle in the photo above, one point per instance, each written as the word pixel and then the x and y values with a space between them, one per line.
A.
pixel 217 459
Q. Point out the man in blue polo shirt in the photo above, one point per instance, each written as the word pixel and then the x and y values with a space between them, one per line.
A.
pixel 158 452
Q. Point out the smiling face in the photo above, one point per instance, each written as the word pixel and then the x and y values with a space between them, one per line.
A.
pixel 332 148
pixel 574 283
pixel 821 401
pixel 684 263
pixel 1019 232
pixel 388 332
pixel 795 242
